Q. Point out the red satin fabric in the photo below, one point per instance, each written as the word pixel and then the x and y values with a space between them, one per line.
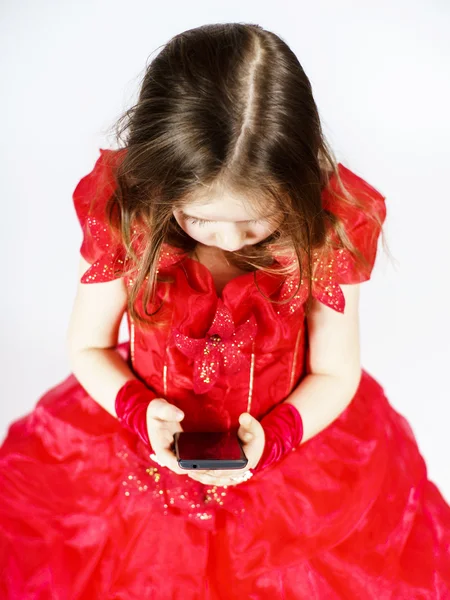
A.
pixel 131 405
pixel 283 432
pixel 86 514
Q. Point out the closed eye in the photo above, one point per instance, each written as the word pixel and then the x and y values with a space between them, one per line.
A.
pixel 202 222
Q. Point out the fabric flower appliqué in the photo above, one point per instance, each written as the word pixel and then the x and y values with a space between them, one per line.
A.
pixel 221 351
pixel 325 286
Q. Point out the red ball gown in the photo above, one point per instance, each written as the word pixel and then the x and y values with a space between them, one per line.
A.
pixel 85 513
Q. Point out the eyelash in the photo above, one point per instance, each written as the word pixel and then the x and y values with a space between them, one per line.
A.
pixel 201 222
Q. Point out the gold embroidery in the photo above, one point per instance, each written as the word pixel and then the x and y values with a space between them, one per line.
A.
pixel 294 360
pixel 250 385
pixel 251 377
pixel 165 379
pixel 132 340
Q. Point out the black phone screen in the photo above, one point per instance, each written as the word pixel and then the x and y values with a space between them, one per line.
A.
pixel 209 450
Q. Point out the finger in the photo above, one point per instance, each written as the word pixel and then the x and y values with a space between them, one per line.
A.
pixel 248 422
pixel 221 474
pixel 249 427
pixel 169 460
pixel 207 480
pixel 199 478
pixel 161 409
pixel 161 440
pixel 163 437
pixel 204 475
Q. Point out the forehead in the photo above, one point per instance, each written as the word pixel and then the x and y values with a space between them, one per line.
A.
pixel 228 207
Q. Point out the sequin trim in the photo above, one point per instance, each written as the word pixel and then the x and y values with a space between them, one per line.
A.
pixel 132 340
pixel 197 501
pixel 165 379
pixel 294 360
pixel 251 378
pixel 325 287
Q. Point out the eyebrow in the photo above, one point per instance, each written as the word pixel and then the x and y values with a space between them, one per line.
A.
pixel 211 220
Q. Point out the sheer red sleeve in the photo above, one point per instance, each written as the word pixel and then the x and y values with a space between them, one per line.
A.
pixel 362 230
pixel 99 247
pixel 338 266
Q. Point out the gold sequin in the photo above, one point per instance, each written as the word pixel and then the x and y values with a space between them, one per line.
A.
pixel 165 379
pixel 251 378
pixel 294 360
pixel 132 337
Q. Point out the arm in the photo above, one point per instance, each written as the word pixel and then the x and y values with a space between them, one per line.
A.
pixel 91 340
pixel 92 335
pixel 334 369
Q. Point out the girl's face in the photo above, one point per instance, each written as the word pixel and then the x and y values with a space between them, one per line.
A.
pixel 226 223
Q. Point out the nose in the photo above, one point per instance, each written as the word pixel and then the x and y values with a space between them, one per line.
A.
pixel 230 239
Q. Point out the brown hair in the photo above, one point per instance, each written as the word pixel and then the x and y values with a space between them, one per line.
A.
pixel 229 105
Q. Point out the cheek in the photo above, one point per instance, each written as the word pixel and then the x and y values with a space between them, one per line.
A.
pixel 197 233
pixel 262 232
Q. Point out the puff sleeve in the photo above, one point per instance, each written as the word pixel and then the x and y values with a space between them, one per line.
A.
pixel 338 266
pixel 99 247
pixel 362 230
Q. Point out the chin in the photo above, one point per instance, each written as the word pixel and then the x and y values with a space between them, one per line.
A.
pixel 212 245
pixel 234 250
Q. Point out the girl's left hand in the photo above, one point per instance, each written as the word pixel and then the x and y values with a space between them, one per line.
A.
pixel 251 434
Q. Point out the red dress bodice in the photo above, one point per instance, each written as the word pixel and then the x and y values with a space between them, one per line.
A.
pixel 242 350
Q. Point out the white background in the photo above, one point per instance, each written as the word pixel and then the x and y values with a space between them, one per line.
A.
pixel 379 72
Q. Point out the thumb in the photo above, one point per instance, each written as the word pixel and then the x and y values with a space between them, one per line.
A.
pixel 249 426
pixel 161 409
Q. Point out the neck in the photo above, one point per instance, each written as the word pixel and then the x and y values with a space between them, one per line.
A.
pixel 209 251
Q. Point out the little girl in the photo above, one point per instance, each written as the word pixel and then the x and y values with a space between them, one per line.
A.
pixel 235 244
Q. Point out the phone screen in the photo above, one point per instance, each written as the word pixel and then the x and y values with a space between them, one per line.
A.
pixel 206 445
pixel 205 449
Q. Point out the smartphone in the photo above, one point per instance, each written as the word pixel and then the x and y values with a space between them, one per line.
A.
pixel 209 450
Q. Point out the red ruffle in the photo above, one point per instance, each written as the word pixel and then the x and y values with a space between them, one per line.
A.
pixel 85 513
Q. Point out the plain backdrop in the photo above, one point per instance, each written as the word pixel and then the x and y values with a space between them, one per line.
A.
pixel 379 72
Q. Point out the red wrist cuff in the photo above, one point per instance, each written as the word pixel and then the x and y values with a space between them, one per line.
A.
pixel 283 429
pixel 131 405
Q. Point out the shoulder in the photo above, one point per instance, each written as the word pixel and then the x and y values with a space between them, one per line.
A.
pixel 360 209
pixel 351 196
pixel 94 188
pixel 100 247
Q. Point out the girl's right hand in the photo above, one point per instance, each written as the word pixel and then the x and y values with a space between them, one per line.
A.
pixel 163 421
